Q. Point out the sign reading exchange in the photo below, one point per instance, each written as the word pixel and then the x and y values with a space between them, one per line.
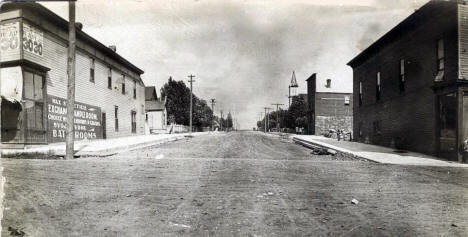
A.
pixel 87 120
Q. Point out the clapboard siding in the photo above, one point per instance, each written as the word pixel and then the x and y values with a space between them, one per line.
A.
pixel 97 93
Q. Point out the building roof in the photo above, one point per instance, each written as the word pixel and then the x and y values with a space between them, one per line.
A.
pixel 40 9
pixel 411 22
pixel 150 93
pixel 154 105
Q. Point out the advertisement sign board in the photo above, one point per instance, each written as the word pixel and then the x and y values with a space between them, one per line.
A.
pixel 33 39
pixel 87 120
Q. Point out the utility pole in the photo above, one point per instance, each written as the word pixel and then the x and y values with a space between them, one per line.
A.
pixel 221 120
pixel 191 105
pixel 70 139
pixel 278 125
pixel 213 102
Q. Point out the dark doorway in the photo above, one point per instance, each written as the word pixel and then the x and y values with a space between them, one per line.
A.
pixel 12 122
pixel 104 132
pixel 448 126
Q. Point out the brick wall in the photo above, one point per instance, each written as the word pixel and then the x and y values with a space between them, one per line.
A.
pixel 331 112
pixel 407 119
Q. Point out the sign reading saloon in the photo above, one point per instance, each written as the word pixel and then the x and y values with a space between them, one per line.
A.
pixel 87 120
pixel 33 39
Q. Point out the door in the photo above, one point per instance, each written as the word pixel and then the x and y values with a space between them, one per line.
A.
pixel 104 132
pixel 448 126
pixel 133 122
pixel 34 110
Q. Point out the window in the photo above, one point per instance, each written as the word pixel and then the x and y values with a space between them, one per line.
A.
pixel 360 129
pixel 440 60
pixel 346 100
pixel 133 114
pixel 116 116
pixel 109 78
pixel 402 75
pixel 91 70
pixel 377 127
pixel 360 93
pixel 34 107
pixel 378 89
pixel 123 84
pixel 134 90
pixel 328 85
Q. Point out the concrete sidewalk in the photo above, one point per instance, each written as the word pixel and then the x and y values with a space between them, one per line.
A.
pixel 103 147
pixel 376 153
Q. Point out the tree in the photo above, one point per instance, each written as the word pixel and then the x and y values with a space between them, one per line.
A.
pixel 297 113
pixel 177 96
pixel 178 105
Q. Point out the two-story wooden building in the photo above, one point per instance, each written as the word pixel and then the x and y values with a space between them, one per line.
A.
pixel 411 85
pixel 110 95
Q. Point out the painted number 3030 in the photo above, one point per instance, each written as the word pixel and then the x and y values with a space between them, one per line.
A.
pixel 32 46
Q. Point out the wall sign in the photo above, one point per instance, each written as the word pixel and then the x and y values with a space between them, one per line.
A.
pixel 87 120
pixel 9 41
pixel 33 39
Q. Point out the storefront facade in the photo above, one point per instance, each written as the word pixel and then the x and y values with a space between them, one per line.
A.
pixel 109 91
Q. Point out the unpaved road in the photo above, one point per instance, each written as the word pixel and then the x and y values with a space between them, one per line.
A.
pixel 236 184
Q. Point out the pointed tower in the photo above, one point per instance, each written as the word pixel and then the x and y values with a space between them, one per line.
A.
pixel 292 87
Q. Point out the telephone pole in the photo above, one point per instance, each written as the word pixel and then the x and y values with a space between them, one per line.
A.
pixel 191 105
pixel 278 125
pixel 213 102
pixel 221 120
pixel 266 118
pixel 70 139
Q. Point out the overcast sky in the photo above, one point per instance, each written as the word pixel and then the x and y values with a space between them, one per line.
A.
pixel 242 52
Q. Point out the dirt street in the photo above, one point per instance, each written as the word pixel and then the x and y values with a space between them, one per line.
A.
pixel 235 184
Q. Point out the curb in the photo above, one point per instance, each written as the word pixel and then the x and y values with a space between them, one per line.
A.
pixel 59 153
pixel 320 147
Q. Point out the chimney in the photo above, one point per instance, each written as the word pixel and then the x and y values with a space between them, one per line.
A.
pixel 113 47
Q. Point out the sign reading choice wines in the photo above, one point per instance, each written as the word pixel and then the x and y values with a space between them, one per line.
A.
pixel 87 120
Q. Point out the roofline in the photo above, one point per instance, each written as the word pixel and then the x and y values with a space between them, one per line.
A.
pixel 390 34
pixel 58 20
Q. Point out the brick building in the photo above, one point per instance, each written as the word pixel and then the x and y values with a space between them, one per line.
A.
pixel 110 94
pixel 410 86
pixel 329 109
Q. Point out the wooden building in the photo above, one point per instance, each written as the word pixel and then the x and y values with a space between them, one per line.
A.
pixel 110 95
pixel 156 115
pixel 411 85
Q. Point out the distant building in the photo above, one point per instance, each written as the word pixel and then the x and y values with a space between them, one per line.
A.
pixel 327 109
pixel 156 115
pixel 411 85
pixel 110 96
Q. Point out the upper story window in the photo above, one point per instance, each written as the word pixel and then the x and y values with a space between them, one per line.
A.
pixel 440 60
pixel 134 90
pixel 91 69
pixel 378 87
pixel 402 75
pixel 123 84
pixel 360 93
pixel 109 78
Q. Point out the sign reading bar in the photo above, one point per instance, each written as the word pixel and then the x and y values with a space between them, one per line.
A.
pixel 87 120
pixel 33 39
